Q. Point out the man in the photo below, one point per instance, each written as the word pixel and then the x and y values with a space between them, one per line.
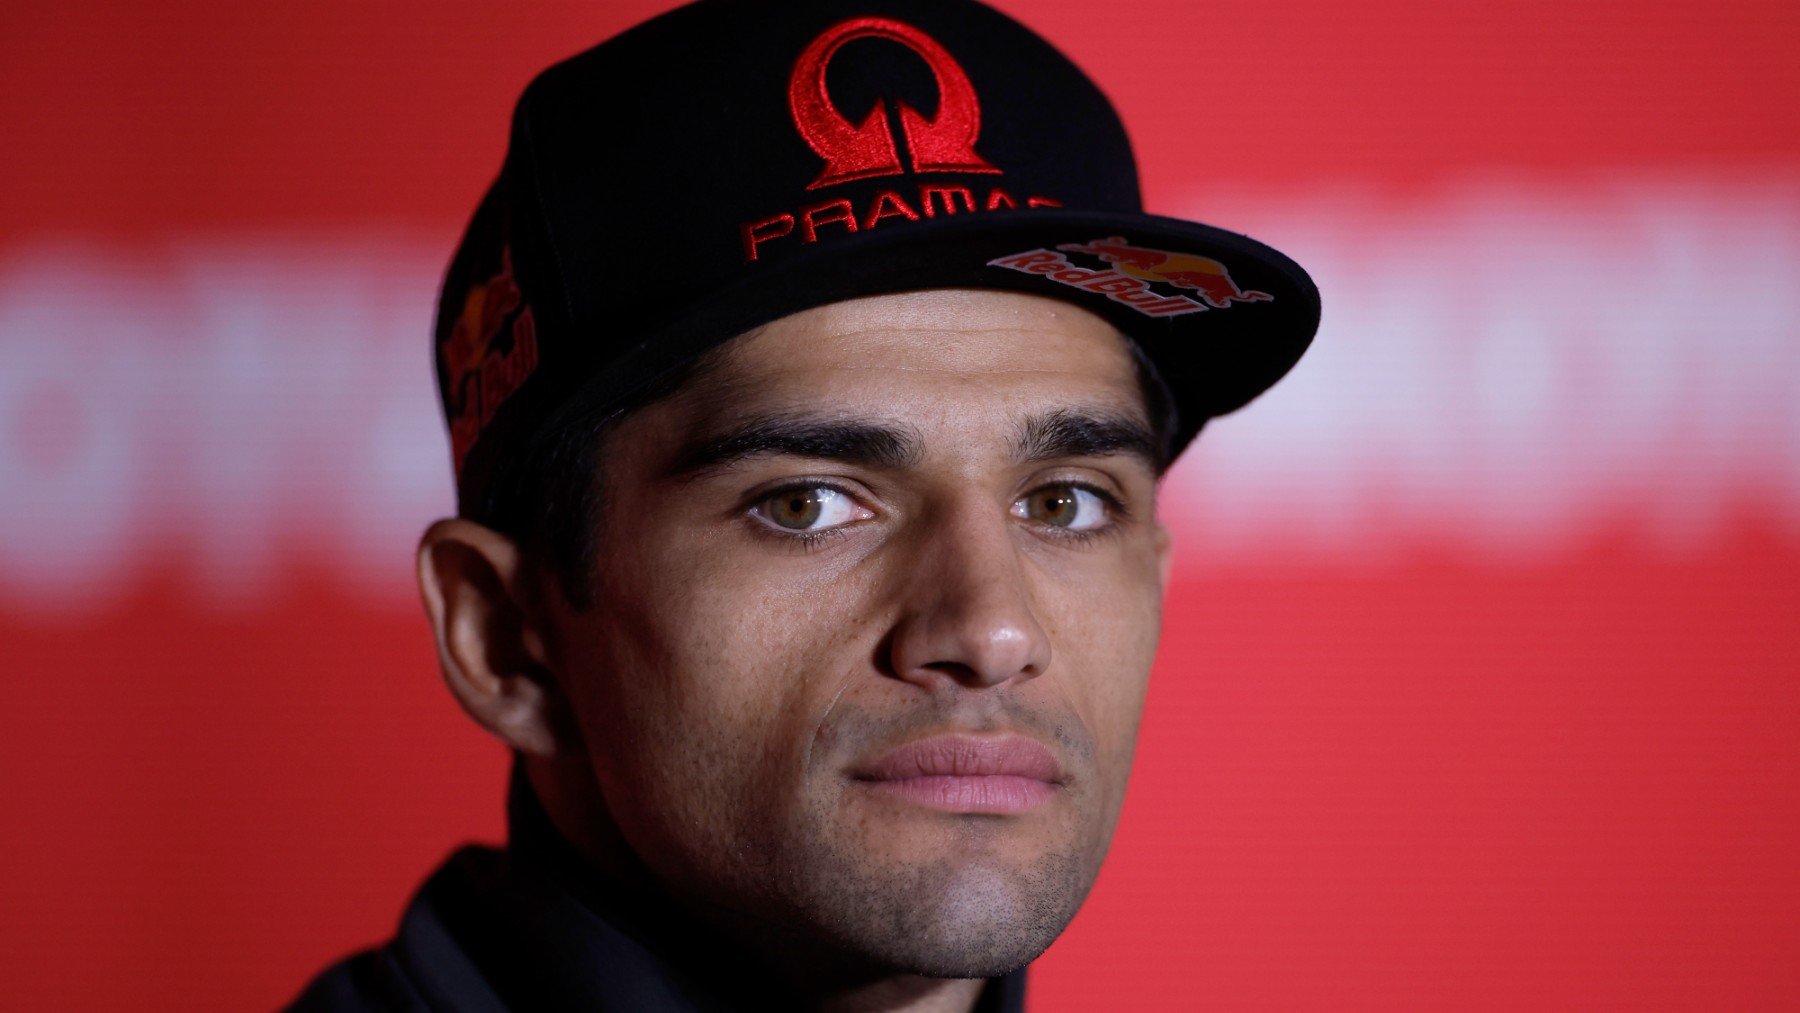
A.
pixel 809 371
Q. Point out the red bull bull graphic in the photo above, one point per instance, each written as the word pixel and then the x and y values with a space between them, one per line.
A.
pixel 480 374
pixel 1202 275
pixel 1133 270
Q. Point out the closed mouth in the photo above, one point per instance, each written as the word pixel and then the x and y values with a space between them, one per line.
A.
pixel 967 773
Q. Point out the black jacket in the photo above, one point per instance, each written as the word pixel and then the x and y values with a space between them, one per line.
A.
pixel 535 928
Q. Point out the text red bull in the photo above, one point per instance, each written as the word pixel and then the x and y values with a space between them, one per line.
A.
pixel 1134 271
pixel 1120 288
pixel 1195 273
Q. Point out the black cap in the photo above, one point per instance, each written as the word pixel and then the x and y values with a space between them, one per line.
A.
pixel 735 161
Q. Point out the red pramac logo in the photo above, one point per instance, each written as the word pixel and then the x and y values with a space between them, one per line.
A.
pixel 942 143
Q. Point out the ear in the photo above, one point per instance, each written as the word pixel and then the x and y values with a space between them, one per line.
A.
pixel 1165 554
pixel 489 647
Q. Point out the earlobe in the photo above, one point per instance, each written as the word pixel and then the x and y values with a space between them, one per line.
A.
pixel 488 646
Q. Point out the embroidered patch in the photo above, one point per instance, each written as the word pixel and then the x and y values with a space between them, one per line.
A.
pixel 1133 270
pixel 842 217
pixel 942 142
pixel 481 372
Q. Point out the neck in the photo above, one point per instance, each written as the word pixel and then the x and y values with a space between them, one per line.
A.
pixel 908 993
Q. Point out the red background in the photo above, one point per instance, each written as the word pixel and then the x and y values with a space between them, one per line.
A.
pixel 1478 689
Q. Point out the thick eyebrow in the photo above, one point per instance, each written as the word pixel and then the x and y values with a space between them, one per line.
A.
pixel 857 441
pixel 1072 432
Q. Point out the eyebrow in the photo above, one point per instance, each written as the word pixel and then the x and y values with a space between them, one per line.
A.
pixel 857 441
pixel 1072 432
pixel 1065 432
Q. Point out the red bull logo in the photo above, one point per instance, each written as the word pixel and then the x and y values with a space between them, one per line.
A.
pixel 1133 271
pixel 1202 275
pixel 480 376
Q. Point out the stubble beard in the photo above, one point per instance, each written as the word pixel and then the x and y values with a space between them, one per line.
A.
pixel 972 913
pixel 835 888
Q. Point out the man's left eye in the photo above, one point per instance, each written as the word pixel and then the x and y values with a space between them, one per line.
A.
pixel 809 509
pixel 1070 507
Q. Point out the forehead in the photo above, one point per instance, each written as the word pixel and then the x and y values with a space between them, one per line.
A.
pixel 924 353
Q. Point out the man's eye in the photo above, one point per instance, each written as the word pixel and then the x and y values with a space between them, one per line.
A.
pixel 1063 506
pixel 809 508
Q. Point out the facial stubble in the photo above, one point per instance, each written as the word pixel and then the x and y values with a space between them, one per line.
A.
pixel 969 913
pixel 879 885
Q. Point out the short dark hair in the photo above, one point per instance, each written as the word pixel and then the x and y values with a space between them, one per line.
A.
pixel 551 500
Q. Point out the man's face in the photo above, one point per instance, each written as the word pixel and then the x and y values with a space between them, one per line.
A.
pixel 877 599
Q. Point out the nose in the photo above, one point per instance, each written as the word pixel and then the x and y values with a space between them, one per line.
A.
pixel 968 616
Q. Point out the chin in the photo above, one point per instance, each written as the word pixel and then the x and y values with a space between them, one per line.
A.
pixel 957 920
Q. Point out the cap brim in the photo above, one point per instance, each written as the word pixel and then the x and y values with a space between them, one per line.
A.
pixel 1216 354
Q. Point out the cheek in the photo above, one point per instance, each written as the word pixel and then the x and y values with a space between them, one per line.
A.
pixel 705 677
pixel 1105 624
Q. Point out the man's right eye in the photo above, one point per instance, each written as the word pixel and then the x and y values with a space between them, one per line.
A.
pixel 809 509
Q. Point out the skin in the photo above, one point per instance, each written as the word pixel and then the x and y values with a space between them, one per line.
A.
pixel 696 731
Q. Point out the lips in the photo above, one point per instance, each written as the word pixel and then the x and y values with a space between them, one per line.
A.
pixel 967 774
